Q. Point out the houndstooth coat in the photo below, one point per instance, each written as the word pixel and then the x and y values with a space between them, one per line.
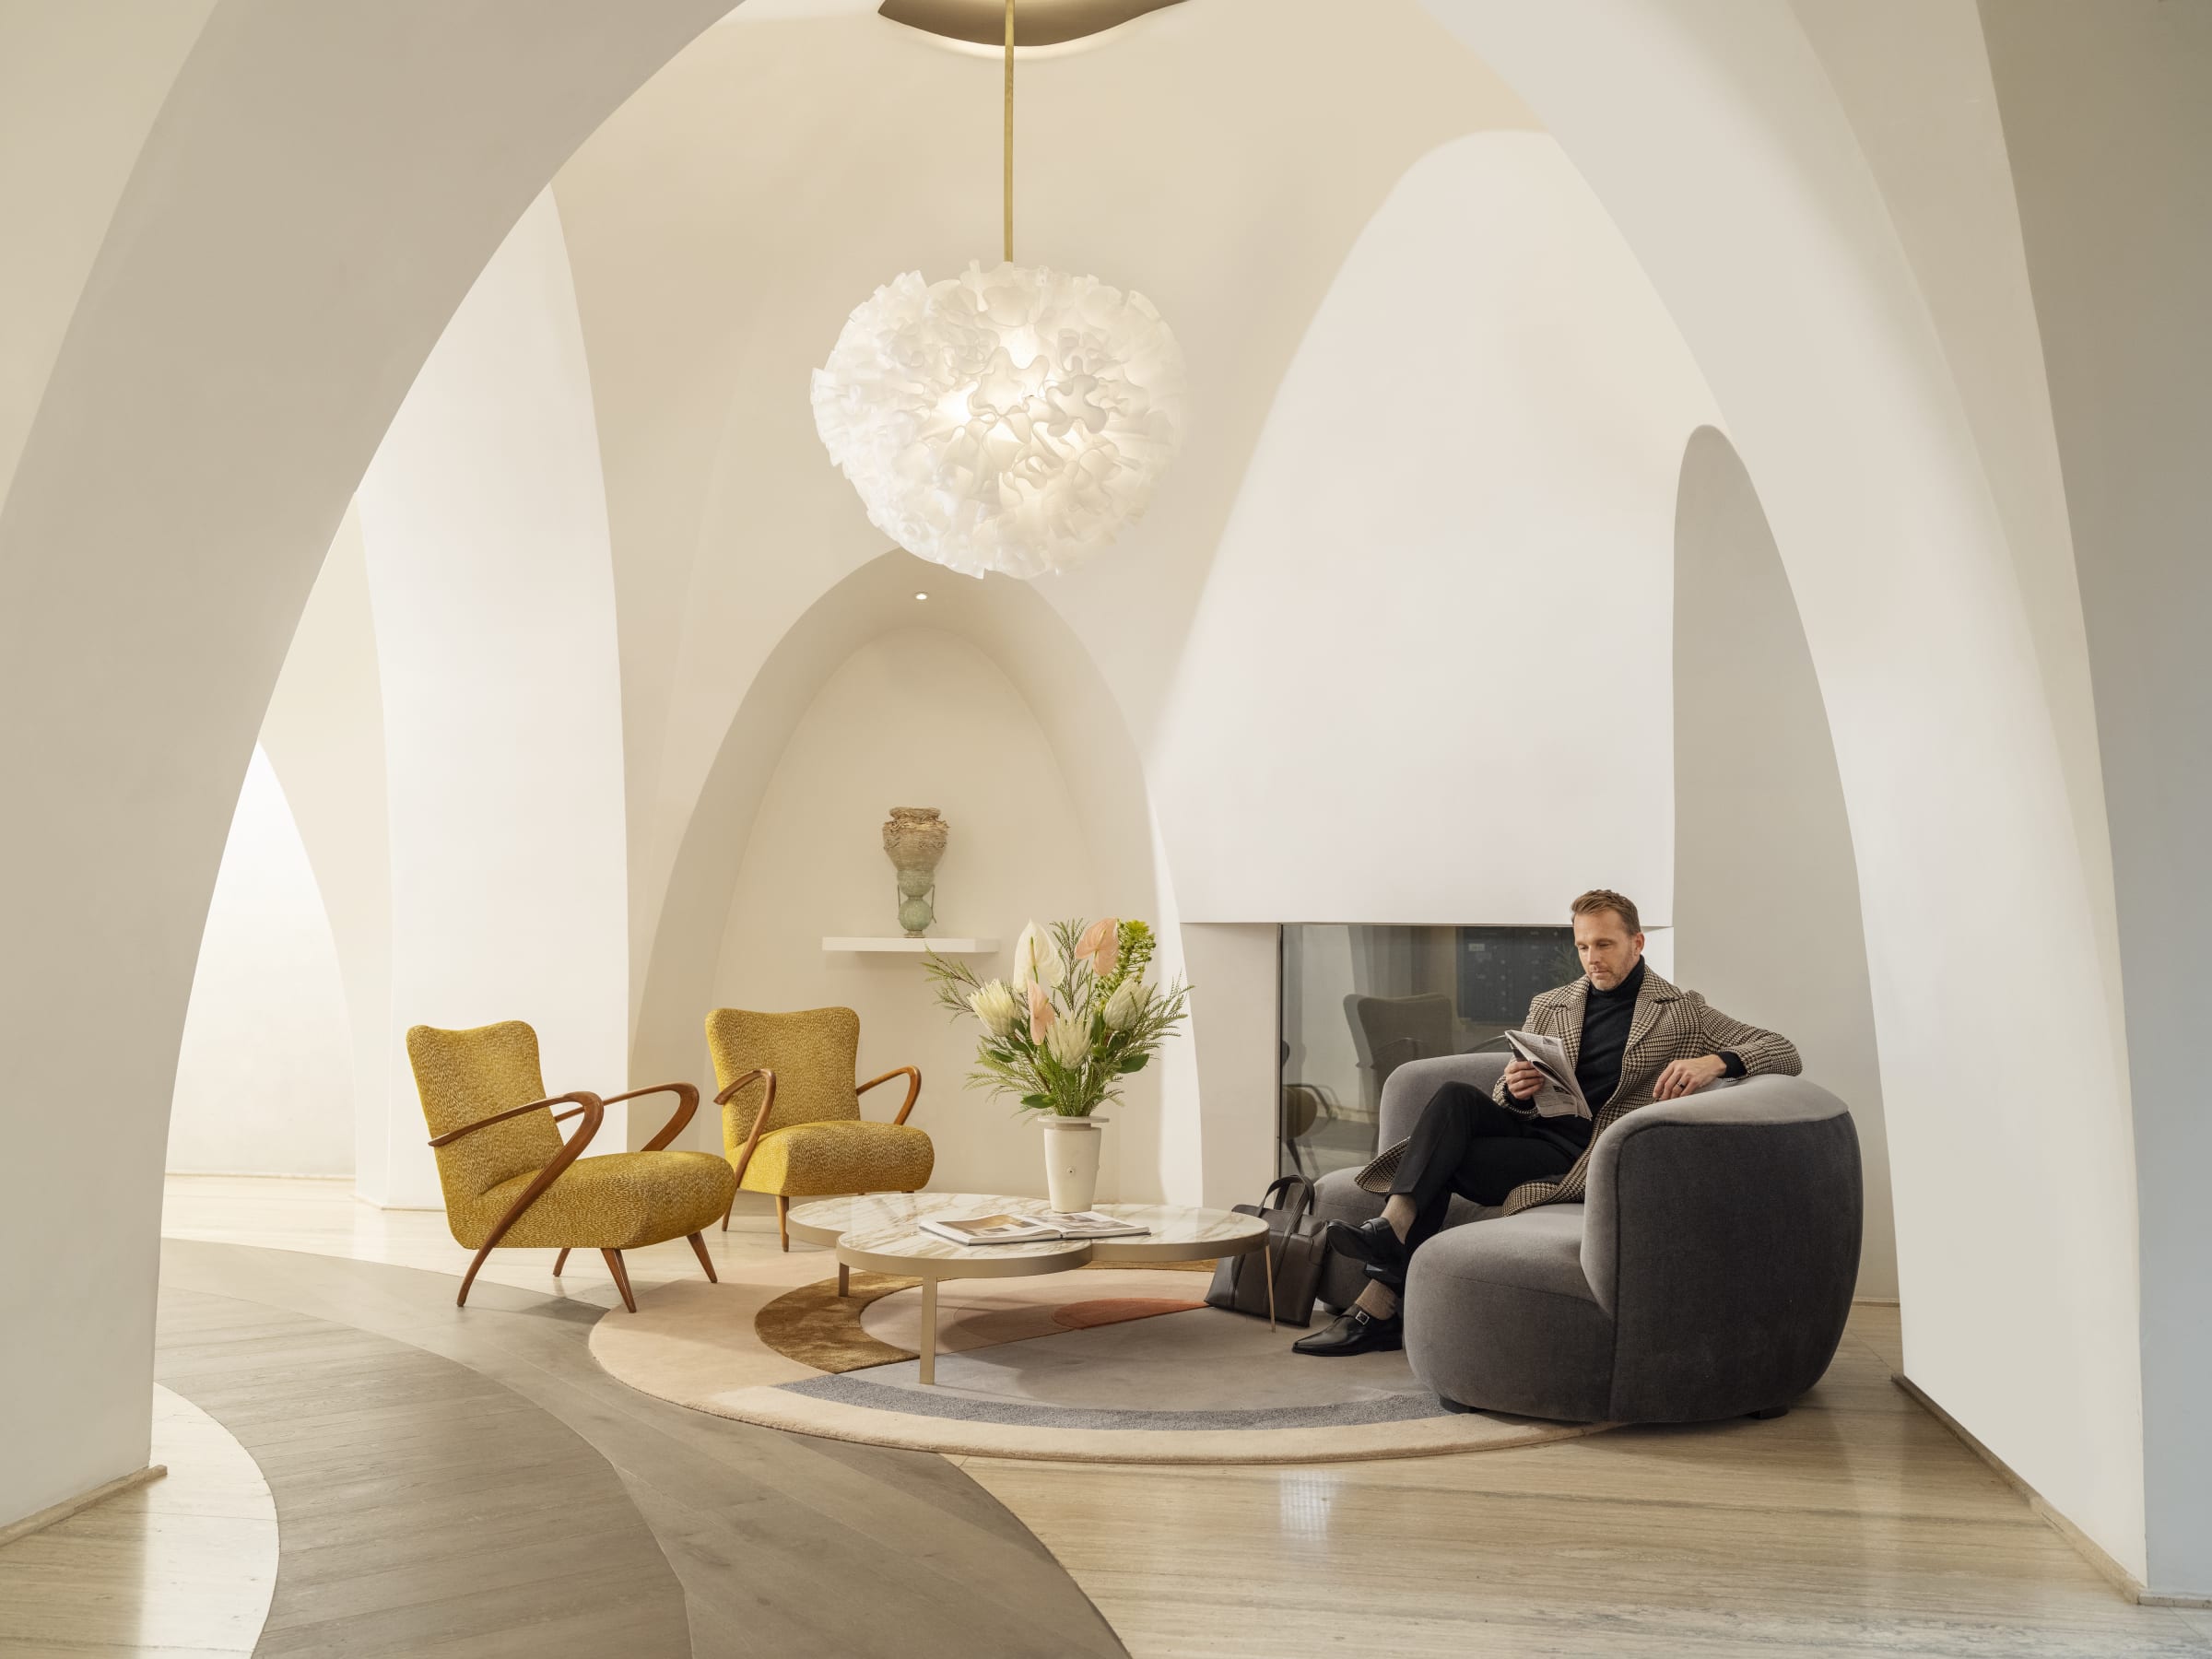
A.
pixel 1669 1024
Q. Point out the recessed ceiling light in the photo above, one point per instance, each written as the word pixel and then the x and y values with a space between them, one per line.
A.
pixel 921 596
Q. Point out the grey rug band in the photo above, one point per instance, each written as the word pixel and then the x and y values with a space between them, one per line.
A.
pixel 852 1390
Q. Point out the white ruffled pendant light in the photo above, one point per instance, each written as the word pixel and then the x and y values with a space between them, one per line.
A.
pixel 1011 419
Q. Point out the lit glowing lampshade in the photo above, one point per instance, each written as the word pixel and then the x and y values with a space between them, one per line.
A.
pixel 1012 420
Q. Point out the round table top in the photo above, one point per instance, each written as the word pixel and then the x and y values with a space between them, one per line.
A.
pixel 879 1230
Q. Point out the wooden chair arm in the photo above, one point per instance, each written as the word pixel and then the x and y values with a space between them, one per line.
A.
pixel 585 1102
pixel 594 1114
pixel 913 1087
pixel 686 1103
pixel 768 1099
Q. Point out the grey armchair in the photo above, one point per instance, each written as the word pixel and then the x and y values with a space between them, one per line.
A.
pixel 1707 1273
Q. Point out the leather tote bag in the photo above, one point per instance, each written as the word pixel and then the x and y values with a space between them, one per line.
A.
pixel 1299 1246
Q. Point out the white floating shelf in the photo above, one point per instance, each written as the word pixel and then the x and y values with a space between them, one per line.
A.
pixel 899 942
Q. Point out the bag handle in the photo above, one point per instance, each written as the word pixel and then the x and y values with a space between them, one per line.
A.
pixel 1301 1191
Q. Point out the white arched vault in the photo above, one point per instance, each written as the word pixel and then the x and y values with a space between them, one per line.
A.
pixel 1767 915
pixel 1719 145
pixel 484 533
pixel 1009 623
pixel 294 235
pixel 259 308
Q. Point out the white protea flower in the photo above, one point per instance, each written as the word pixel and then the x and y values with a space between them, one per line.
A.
pixel 1126 1002
pixel 999 1010
pixel 1037 959
pixel 1068 1043
pixel 1009 419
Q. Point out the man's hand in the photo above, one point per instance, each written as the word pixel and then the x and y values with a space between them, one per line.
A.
pixel 1523 1081
pixel 1686 1076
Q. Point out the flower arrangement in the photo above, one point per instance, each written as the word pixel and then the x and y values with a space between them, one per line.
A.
pixel 1077 1018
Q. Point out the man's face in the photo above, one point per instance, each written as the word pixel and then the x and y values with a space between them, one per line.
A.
pixel 1610 952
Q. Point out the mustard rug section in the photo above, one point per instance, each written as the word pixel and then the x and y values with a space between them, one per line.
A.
pixel 818 1328
pixel 1112 1364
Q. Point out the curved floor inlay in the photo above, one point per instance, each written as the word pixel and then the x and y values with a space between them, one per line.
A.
pixel 181 1565
pixel 468 1481
pixel 1181 1384
pixel 422 1506
pixel 1856 1523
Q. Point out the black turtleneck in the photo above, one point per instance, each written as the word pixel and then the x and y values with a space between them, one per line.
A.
pixel 1606 1016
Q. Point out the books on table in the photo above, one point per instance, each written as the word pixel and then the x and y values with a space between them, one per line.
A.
pixel 1027 1229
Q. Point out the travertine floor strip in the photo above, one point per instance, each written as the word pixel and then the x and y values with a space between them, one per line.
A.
pixel 781 1545
pixel 181 1565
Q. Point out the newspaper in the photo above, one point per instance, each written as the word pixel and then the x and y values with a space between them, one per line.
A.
pixel 1562 1096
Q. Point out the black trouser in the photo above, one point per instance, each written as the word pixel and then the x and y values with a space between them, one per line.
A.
pixel 1466 1142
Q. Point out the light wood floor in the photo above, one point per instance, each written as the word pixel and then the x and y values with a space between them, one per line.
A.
pixel 1858 1524
pixel 415 1492
pixel 1855 1525
pixel 182 1565
pixel 468 1482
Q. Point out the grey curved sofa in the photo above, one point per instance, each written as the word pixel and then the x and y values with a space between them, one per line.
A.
pixel 1707 1275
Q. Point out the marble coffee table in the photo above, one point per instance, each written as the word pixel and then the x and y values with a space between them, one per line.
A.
pixel 880 1232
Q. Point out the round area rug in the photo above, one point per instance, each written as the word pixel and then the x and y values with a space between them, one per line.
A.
pixel 1106 1364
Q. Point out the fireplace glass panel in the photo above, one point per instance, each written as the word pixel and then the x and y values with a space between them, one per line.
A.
pixel 1358 1002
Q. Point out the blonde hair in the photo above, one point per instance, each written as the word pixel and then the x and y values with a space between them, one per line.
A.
pixel 1606 898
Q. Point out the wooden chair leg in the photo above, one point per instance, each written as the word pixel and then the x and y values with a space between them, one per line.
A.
pixel 560 1262
pixel 728 1210
pixel 614 1265
pixel 782 1211
pixel 699 1249
pixel 469 1278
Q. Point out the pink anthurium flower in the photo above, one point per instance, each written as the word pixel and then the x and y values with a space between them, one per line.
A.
pixel 1042 1016
pixel 1100 942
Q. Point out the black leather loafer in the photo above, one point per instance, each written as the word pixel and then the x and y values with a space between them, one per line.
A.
pixel 1376 1242
pixel 1355 1331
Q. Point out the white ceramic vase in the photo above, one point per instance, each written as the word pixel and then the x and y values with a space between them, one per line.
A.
pixel 1071 1162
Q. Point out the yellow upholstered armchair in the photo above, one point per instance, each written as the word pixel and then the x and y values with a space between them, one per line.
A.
pixel 510 1179
pixel 806 1137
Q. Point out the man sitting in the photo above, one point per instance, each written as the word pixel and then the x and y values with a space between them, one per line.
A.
pixel 1632 1038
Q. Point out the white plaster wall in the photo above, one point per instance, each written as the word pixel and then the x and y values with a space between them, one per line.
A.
pixel 262 1084
pixel 1008 623
pixel 285 252
pixel 730 527
pixel 729 522
pixel 2108 116
pixel 1715 140
pixel 1913 76
pixel 485 525
pixel 1767 920
pixel 915 717
pixel 213 336
pixel 1428 677
pixel 1236 1028
pixel 80 86
pixel 325 736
